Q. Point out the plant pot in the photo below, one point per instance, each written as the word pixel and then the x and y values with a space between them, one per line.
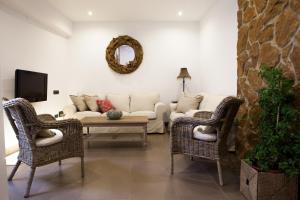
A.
pixel 255 185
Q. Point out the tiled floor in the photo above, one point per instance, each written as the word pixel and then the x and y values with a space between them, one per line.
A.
pixel 128 172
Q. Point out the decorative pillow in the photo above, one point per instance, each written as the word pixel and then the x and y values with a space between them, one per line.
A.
pixel 79 102
pixel 120 101
pixel 143 102
pixel 187 103
pixel 91 102
pixel 45 133
pixel 105 105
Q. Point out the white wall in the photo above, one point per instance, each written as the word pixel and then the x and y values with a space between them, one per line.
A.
pixel 217 70
pixel 26 46
pixel 167 46
pixel 40 13
pixel 3 182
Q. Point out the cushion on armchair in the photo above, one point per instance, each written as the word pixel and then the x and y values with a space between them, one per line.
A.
pixel 42 142
pixel 205 133
pixel 46 133
pixel 187 103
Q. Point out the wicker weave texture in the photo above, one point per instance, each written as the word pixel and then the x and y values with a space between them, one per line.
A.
pixel 256 185
pixel 26 124
pixel 183 142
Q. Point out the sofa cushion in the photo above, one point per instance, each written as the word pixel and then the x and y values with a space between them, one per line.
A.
pixel 91 102
pixel 175 115
pixel 205 134
pixel 187 103
pixel 81 115
pixel 119 101
pixel 79 102
pixel 42 142
pixel 149 114
pixel 142 102
pixel 210 102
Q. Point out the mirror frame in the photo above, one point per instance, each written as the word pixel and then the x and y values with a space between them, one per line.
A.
pixel 116 43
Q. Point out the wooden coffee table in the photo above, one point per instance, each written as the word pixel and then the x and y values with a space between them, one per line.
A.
pixel 125 121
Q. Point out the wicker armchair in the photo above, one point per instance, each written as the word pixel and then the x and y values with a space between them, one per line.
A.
pixel 184 142
pixel 26 124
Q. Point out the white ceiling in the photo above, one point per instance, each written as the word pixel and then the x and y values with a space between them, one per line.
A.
pixel 133 10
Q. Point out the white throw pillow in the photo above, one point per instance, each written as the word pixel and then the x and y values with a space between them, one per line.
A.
pixel 187 103
pixel 143 102
pixel 91 102
pixel 79 102
pixel 119 101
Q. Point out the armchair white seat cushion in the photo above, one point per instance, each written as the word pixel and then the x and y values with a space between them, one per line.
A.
pixel 42 142
pixel 149 114
pixel 200 133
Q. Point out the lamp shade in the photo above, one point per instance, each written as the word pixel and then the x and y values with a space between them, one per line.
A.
pixel 184 73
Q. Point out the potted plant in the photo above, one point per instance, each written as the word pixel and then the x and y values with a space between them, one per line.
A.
pixel 270 169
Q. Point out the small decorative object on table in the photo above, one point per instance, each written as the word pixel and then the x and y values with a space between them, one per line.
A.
pixel 114 115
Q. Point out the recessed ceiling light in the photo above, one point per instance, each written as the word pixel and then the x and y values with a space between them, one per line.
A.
pixel 180 13
pixel 90 13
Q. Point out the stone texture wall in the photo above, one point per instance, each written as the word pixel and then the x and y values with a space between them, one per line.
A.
pixel 269 33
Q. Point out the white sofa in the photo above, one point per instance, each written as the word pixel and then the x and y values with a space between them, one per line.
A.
pixel 137 104
pixel 209 103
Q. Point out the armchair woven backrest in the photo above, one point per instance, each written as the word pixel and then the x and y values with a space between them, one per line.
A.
pixel 225 114
pixel 22 117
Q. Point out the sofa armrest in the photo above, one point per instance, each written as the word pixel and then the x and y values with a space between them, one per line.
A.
pixel 69 110
pixel 160 109
pixel 173 107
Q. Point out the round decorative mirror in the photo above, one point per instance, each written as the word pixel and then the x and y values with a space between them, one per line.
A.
pixel 124 54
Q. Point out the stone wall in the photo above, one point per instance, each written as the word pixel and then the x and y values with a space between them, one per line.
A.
pixel 269 33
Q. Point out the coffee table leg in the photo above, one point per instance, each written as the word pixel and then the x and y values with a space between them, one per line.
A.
pixel 88 134
pixel 145 135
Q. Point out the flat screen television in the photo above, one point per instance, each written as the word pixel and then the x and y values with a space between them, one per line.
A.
pixel 31 85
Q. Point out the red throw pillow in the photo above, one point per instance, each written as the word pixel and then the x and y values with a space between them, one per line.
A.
pixel 105 105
